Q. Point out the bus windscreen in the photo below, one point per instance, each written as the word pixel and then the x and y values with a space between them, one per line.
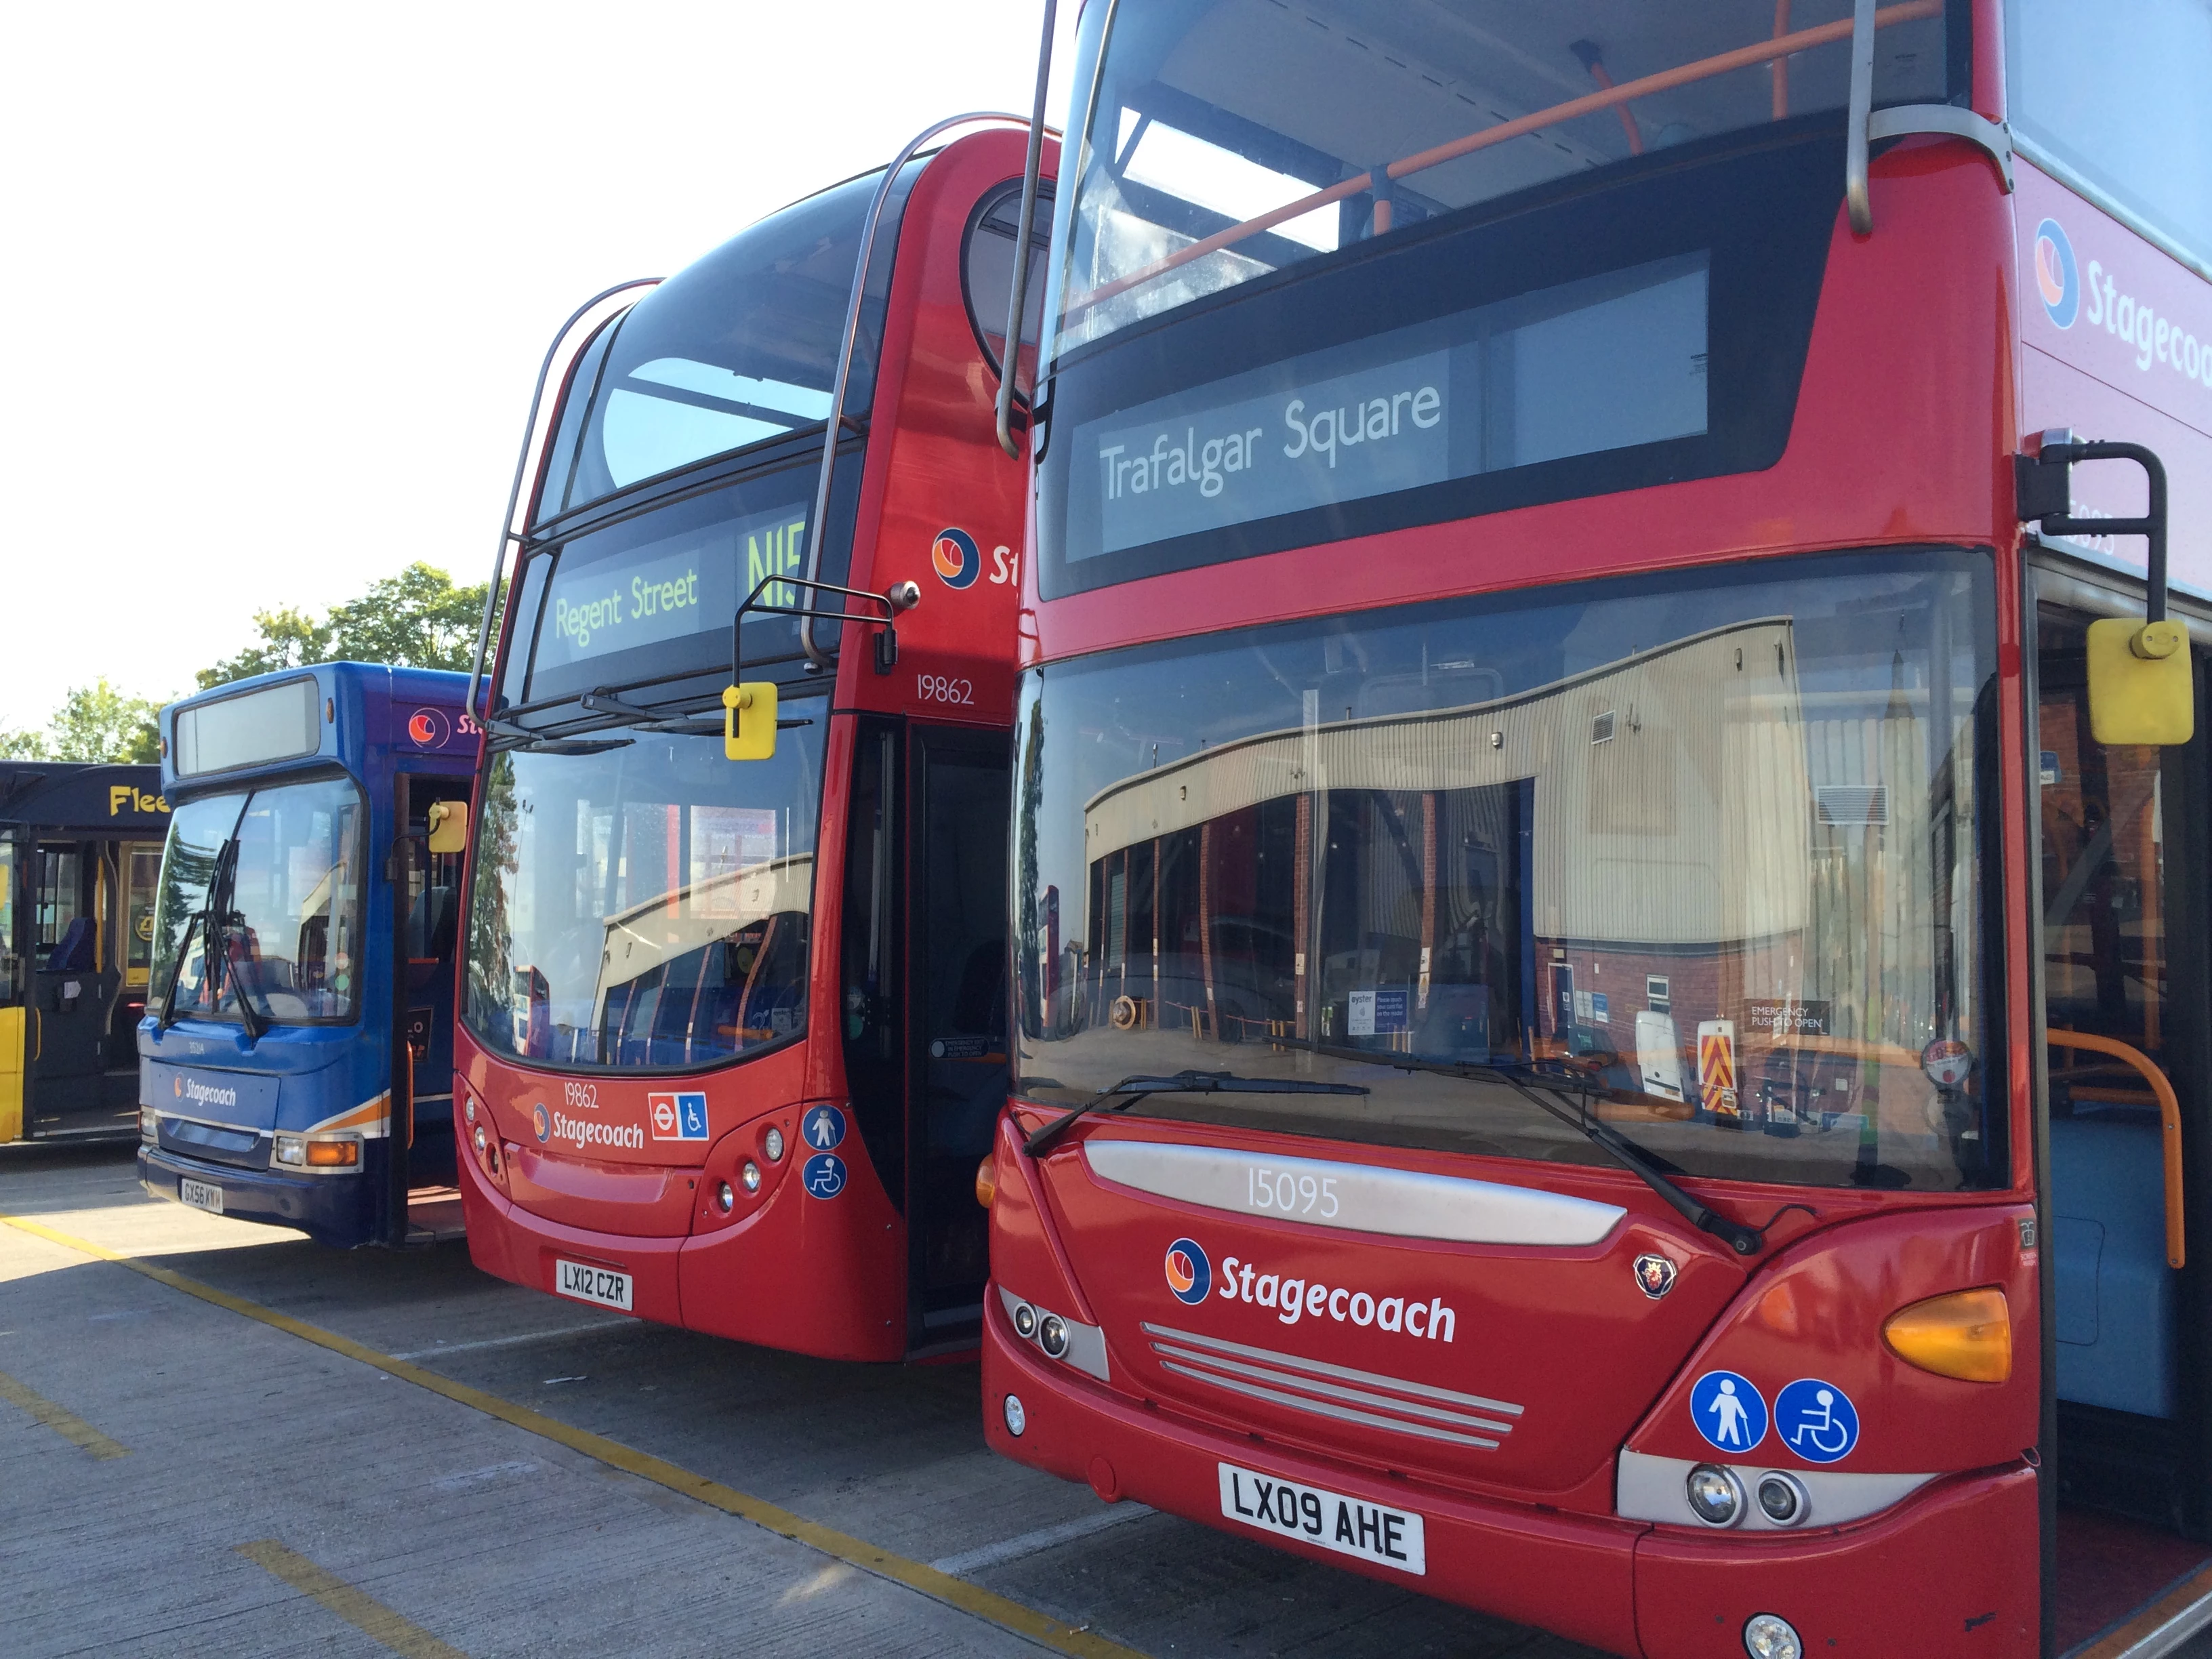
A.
pixel 1705 855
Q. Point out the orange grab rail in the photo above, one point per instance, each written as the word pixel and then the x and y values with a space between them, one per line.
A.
pixel 2169 1118
pixel 1775 51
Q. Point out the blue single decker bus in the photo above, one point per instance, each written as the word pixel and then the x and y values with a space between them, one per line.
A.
pixel 295 1058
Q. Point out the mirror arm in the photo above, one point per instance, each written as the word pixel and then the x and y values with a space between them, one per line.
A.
pixel 900 596
pixel 2043 486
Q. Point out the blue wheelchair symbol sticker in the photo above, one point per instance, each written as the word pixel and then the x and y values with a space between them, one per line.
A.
pixel 1728 1412
pixel 824 1175
pixel 823 1128
pixel 1816 1420
pixel 691 1113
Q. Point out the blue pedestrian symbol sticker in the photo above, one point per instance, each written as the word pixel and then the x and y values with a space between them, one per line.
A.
pixel 823 1128
pixel 1728 1412
pixel 824 1175
pixel 1816 1420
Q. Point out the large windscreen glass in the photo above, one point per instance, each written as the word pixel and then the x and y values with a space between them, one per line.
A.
pixel 639 901
pixel 260 898
pixel 736 349
pixel 1706 858
pixel 1229 139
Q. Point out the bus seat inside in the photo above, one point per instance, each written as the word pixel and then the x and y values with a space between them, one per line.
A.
pixel 2116 1311
pixel 73 952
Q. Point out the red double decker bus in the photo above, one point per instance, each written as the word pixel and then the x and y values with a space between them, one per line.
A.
pixel 731 1032
pixel 1608 868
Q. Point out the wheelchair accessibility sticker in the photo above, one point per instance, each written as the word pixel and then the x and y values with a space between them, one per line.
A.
pixel 1728 1412
pixel 1816 1420
pixel 824 1175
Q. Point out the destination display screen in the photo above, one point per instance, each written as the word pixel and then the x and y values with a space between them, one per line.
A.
pixel 1602 363
pixel 278 722
pixel 655 584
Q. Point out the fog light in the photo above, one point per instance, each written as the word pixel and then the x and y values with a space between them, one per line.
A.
pixel 1052 1335
pixel 750 1175
pixel 772 1144
pixel 1715 1495
pixel 1017 1419
pixel 290 1149
pixel 1025 1320
pixel 333 1154
pixel 725 1200
pixel 1767 1637
pixel 1782 1498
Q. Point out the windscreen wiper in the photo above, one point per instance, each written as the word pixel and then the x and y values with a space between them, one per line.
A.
pixel 1131 1089
pixel 1525 1080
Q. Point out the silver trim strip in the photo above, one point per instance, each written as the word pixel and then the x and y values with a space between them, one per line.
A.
pixel 1332 1390
pixel 1343 1413
pixel 2174 1632
pixel 1321 1367
pixel 1647 1488
pixel 2164 240
pixel 1366 1198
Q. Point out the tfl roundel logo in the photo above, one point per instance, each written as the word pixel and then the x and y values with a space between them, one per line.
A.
pixel 957 562
pixel 1190 1275
pixel 2055 277
pixel 428 728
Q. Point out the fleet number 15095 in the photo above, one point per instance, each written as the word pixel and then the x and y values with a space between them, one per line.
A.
pixel 1288 1194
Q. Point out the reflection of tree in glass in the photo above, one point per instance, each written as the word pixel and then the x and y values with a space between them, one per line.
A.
pixel 491 932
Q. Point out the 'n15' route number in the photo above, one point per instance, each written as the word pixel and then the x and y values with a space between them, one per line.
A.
pixel 937 687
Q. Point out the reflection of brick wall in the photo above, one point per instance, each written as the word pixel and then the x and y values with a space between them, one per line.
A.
pixel 1694 979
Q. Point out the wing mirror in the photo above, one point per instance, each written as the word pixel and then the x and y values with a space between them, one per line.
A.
pixel 449 826
pixel 2140 687
pixel 748 722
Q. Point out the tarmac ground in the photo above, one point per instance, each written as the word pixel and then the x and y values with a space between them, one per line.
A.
pixel 218 1437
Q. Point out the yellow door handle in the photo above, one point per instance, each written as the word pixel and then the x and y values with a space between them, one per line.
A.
pixel 2169 1118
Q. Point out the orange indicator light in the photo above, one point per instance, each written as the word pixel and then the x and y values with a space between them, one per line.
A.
pixel 1966 1335
pixel 986 1182
pixel 333 1154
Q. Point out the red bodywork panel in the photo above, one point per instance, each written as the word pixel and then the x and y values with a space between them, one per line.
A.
pixel 783 1268
pixel 1905 423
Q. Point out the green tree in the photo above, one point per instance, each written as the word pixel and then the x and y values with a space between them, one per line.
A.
pixel 417 619
pixel 94 723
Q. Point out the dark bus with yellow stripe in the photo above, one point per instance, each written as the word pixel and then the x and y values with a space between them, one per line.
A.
pixel 80 860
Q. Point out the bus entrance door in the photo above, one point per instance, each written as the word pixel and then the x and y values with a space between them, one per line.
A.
pixel 958 1022
pixel 425 915
pixel 74 989
pixel 2122 846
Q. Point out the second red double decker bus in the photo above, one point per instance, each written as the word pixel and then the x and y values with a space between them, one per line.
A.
pixel 732 1031
pixel 1612 1005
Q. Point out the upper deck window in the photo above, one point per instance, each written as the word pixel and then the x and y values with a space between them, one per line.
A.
pixel 1232 139
pixel 734 350
pixel 2118 99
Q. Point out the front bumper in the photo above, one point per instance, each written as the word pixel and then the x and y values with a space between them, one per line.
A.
pixel 339 1210
pixel 1953 1571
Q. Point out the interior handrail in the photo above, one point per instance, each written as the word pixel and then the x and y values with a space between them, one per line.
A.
pixel 1779 48
pixel 2169 1118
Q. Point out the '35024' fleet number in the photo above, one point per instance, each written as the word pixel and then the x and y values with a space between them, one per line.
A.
pixel 938 687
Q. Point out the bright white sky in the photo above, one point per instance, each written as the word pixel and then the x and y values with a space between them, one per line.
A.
pixel 278 277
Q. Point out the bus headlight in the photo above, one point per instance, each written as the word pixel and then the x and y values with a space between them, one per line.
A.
pixel 291 1149
pixel 772 1144
pixel 149 1124
pixel 750 1175
pixel 1715 1495
pixel 1782 1498
pixel 478 1138
pixel 1052 1335
pixel 1768 1635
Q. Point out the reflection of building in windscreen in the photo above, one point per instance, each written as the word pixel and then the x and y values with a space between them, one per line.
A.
pixel 1645 866
pixel 704 970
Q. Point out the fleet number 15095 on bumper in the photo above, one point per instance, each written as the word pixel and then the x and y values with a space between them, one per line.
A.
pixel 602 1285
pixel 1347 1525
